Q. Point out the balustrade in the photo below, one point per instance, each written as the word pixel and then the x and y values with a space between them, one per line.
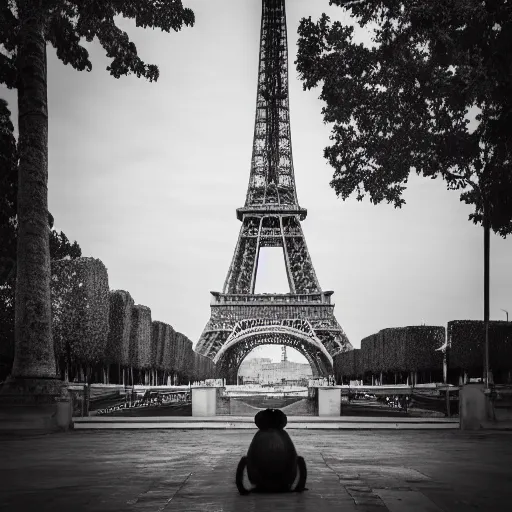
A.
pixel 316 298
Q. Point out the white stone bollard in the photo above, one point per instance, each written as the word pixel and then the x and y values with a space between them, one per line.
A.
pixel 329 401
pixel 204 401
pixel 473 406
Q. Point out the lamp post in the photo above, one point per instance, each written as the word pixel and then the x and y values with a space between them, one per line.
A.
pixel 506 312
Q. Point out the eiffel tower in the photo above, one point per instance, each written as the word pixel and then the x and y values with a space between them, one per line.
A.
pixel 303 319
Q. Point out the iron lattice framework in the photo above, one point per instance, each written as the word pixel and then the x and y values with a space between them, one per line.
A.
pixel 271 217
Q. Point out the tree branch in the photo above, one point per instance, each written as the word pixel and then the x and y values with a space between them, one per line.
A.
pixel 454 176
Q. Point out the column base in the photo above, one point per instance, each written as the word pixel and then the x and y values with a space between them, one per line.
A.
pixel 42 404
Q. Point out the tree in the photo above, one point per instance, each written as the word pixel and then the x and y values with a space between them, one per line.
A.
pixel 8 176
pixel 405 103
pixel 25 28
pixel 8 185
pixel 60 247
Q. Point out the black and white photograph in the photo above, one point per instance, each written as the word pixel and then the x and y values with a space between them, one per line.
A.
pixel 255 255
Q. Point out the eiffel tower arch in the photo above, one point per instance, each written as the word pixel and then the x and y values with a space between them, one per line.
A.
pixel 271 217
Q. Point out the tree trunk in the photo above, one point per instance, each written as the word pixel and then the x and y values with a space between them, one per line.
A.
pixel 34 353
pixel 88 380
pixel 487 244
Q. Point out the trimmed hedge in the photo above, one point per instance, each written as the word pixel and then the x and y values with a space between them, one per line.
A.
pixel 398 349
pixel 80 309
pixel 169 350
pixel 140 338
pixel 467 344
pixel 94 325
pixel 117 350
pixel 173 352
pixel 160 334
pixel 185 358
pixel 404 349
pixel 198 367
pixel 204 368
pixel 157 343
pixel 394 356
pixel 178 353
pixel 347 364
pixel 422 342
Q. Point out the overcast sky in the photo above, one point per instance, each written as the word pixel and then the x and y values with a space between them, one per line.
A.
pixel 147 178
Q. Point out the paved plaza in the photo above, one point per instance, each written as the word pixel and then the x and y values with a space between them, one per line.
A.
pixel 193 470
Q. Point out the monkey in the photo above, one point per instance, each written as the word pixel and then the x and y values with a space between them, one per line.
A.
pixel 271 463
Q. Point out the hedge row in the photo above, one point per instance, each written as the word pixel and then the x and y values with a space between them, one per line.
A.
pixel 80 309
pixel 409 349
pixel 140 338
pixel 94 326
pixel 467 344
pixel 398 349
pixel 120 324
pixel 348 364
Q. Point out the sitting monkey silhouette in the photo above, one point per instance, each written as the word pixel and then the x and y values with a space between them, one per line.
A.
pixel 271 463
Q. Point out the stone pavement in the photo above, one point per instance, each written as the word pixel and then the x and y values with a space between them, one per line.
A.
pixel 193 470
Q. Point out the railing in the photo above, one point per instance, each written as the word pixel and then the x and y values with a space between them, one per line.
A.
pixel 289 298
pixel 86 399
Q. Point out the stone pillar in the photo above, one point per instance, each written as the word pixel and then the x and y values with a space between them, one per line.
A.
pixel 36 404
pixel 329 401
pixel 474 406
pixel 204 401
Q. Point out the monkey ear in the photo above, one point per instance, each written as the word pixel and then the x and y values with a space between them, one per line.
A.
pixel 271 418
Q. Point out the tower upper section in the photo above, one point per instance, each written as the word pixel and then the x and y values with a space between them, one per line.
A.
pixel 272 181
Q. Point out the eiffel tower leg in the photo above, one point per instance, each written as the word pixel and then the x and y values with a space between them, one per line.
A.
pixel 242 271
pixel 291 282
pixel 255 268
pixel 298 261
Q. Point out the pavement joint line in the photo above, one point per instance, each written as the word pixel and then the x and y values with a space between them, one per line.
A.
pixel 154 488
pixel 160 509
pixel 135 500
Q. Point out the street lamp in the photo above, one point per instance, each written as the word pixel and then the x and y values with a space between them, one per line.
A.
pixel 506 312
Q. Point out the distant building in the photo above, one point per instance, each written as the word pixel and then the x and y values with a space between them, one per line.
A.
pixel 263 371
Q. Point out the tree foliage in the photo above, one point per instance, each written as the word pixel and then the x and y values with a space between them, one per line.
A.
pixel 404 101
pixel 69 23
pixel 8 186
